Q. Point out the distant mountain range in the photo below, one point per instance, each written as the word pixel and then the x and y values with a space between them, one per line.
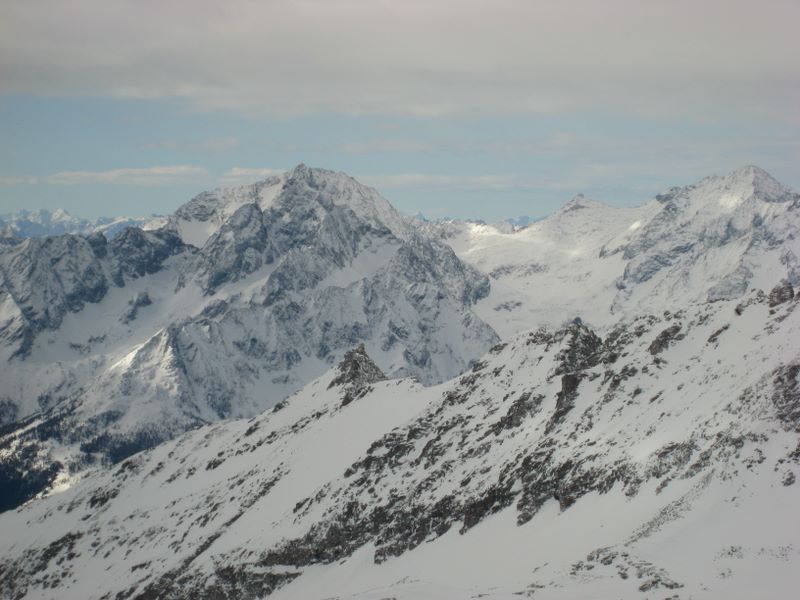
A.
pixel 36 223
pixel 290 389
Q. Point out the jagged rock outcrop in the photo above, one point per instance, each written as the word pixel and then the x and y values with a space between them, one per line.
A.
pixel 783 292
pixel 355 374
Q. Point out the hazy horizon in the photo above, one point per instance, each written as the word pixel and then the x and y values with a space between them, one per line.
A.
pixel 472 109
pixel 418 212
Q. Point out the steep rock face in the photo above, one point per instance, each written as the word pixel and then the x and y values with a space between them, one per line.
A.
pixel 334 264
pixel 465 488
pixel 114 346
pixel 44 278
pixel 723 230
pixel 136 253
pixel 47 277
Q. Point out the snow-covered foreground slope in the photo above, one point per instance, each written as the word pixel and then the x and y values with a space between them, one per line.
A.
pixel 715 239
pixel 108 347
pixel 659 461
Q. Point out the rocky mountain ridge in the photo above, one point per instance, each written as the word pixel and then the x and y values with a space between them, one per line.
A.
pixel 658 460
pixel 111 347
pixel 634 434
pixel 712 240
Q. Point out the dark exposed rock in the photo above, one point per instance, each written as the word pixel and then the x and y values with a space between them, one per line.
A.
pixel 712 339
pixel 783 292
pixel 8 413
pixel 141 300
pixel 758 298
pixel 664 339
pixel 493 500
pixel 670 458
pixel 786 396
pixel 356 372
pixel 241 582
pixel 15 578
pixel 565 400
pixel 582 350
pixel 117 447
pixel 102 497
pixel 522 408
pixel 137 253
pixel 26 473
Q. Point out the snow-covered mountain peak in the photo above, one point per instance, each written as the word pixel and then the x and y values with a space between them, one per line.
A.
pixel 757 177
pixel 244 296
pixel 719 195
pixel 754 182
pixel 713 239
pixel 292 194
pixel 622 409
pixel 60 214
pixel 339 189
pixel 580 202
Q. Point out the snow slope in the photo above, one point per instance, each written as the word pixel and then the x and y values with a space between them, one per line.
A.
pixel 715 239
pixel 659 461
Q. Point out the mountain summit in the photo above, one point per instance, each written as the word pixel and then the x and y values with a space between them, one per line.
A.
pixel 314 191
pixel 715 239
pixel 244 296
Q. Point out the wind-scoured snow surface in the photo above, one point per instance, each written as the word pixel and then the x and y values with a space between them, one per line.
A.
pixel 659 461
pixel 244 296
pixel 712 240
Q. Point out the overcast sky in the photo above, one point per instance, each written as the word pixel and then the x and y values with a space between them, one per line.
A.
pixel 481 109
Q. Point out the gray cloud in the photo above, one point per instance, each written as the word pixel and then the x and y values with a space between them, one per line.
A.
pixel 211 145
pixel 244 175
pixel 11 180
pixel 489 182
pixel 220 144
pixel 131 176
pixel 443 57
pixel 431 181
